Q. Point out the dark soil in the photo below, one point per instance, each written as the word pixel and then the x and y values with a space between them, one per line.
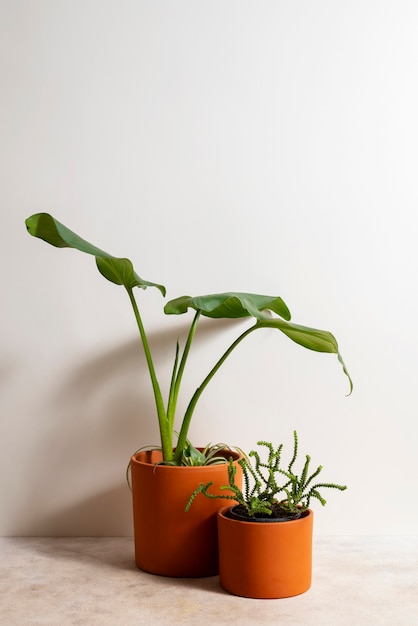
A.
pixel 277 514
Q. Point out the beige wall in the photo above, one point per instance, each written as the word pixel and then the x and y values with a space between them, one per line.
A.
pixel 264 146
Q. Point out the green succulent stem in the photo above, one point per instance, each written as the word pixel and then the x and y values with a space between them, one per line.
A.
pixel 261 488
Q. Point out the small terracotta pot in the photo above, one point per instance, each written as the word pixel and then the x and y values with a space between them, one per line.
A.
pixel 169 541
pixel 258 560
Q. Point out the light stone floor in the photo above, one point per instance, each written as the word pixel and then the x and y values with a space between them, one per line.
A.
pixel 370 581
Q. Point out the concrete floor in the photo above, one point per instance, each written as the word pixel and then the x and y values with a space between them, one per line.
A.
pixel 368 581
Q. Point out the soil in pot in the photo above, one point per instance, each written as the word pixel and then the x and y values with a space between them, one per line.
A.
pixel 278 514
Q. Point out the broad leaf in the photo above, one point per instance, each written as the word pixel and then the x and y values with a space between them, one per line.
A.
pixel 311 338
pixel 117 270
pixel 230 305
pixel 121 272
pixel 44 226
pixel 236 305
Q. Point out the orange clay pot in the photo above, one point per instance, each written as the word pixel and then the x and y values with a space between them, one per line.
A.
pixel 169 541
pixel 265 560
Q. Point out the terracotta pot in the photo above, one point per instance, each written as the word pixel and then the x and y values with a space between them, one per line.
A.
pixel 259 560
pixel 169 541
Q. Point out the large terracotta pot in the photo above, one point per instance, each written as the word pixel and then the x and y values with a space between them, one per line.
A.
pixel 169 541
pixel 265 560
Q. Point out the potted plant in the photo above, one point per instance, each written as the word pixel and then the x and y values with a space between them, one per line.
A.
pixel 265 541
pixel 180 458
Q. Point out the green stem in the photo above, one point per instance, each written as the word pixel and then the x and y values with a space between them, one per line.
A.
pixel 165 434
pixel 170 406
pixel 181 442
pixel 177 377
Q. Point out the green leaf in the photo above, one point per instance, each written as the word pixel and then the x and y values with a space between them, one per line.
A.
pixel 117 270
pixel 192 456
pixel 236 305
pixel 121 272
pixel 230 305
pixel 311 338
pixel 44 226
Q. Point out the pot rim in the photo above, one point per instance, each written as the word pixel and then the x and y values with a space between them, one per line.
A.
pixel 224 510
pixel 148 451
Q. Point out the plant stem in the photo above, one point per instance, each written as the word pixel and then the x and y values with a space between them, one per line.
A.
pixel 177 377
pixel 181 442
pixel 165 434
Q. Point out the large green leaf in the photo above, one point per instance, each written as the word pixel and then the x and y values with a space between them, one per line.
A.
pixel 235 305
pixel 311 338
pixel 230 305
pixel 117 270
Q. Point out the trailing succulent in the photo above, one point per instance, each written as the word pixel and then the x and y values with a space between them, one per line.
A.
pixel 269 490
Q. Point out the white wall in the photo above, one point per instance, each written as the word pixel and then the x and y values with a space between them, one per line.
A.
pixel 263 146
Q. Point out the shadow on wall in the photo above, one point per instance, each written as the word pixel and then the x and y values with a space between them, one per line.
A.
pixel 8 367
pixel 105 514
pixel 101 414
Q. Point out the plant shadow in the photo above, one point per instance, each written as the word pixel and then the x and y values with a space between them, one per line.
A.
pixel 103 411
